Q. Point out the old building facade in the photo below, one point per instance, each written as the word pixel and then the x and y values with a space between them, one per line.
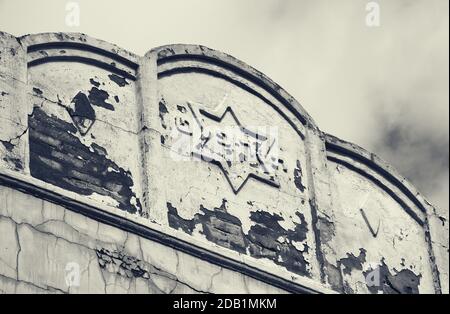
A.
pixel 187 171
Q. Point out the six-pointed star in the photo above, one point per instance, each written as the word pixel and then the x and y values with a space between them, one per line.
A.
pixel 207 148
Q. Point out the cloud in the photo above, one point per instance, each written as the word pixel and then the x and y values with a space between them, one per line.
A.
pixel 420 155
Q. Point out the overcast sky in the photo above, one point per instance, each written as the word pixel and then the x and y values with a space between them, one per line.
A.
pixel 384 88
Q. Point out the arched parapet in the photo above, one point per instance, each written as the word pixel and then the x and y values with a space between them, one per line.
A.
pixel 83 117
pixel 378 216
pixel 80 48
pixel 173 59
pixel 228 198
pixel 380 172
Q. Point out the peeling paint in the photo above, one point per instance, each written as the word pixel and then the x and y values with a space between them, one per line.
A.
pixel 298 174
pixel 262 241
pixel 352 262
pixel 94 82
pixel 177 222
pixel 98 97
pixel 37 91
pixel 12 156
pixel 402 282
pixel 16 162
pixel 120 81
pixel 83 115
pixel 9 147
pixel 162 112
pixel 58 157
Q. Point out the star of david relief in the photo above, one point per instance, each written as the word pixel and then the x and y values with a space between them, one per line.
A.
pixel 241 154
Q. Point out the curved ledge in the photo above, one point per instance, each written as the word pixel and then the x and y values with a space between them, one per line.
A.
pixel 183 52
pixel 62 47
pixel 342 148
pixel 126 63
pixel 80 46
pixel 78 39
pixel 89 61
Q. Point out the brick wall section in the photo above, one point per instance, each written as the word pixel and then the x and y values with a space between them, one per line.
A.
pixel 58 157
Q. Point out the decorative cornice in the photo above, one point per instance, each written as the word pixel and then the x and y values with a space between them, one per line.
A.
pixel 337 147
pixel 138 226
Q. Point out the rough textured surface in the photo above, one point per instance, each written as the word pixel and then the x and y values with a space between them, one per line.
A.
pixel 266 239
pixel 264 201
pixel 39 239
pixel 380 238
pixel 13 126
pixel 82 122
pixel 57 156
pixel 210 155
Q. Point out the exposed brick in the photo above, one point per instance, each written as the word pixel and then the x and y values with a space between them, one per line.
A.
pixel 58 157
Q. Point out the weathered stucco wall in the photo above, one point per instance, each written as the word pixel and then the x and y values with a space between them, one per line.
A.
pixel 40 239
pixel 192 149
